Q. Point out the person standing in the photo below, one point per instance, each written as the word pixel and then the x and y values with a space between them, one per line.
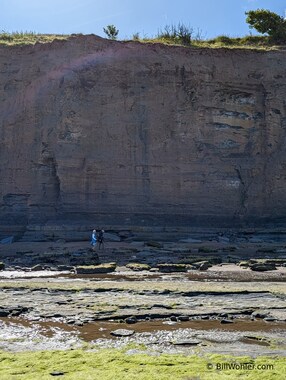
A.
pixel 100 238
pixel 93 239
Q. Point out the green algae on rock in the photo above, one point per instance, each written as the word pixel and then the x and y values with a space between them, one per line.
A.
pixel 133 363
pixel 93 269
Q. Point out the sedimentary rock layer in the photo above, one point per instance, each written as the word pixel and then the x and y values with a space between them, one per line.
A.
pixel 124 133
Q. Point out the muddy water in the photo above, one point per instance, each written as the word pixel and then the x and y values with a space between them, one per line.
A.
pixel 97 330
pixel 230 272
pixel 94 331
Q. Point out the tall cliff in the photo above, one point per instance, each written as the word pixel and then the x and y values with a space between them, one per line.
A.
pixel 124 133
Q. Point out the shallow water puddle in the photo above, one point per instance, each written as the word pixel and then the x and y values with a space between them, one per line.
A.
pixel 98 330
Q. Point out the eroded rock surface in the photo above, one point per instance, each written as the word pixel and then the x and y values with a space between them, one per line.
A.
pixel 97 131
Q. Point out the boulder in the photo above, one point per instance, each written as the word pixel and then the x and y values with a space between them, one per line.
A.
pixel 205 266
pixel 202 265
pixel 183 318
pixel 37 267
pixel 168 268
pixel 20 309
pixel 243 264
pixel 138 266
pixel 2 265
pixel 122 332
pixel 94 269
pixel 262 267
pixel 259 314
pixel 269 319
pixel 131 320
pixel 4 312
pixel 276 262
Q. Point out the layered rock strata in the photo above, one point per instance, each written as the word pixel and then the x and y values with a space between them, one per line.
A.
pixel 125 133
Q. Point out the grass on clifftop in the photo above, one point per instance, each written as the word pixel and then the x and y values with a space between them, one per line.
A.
pixel 28 38
pixel 247 42
pixel 122 365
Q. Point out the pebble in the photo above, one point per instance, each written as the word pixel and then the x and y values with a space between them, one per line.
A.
pixel 186 342
pixel 78 323
pixel 226 321
pixel 183 318
pixel 57 373
pixel 269 319
pixel 131 320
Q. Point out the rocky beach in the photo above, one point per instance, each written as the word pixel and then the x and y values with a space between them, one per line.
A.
pixel 218 295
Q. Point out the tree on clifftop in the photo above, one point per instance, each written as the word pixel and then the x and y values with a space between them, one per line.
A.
pixel 268 22
pixel 111 32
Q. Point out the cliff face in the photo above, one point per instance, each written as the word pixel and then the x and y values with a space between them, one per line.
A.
pixel 127 133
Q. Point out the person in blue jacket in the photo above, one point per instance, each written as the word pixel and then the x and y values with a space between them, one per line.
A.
pixel 93 238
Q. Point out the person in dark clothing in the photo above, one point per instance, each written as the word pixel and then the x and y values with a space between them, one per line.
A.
pixel 100 239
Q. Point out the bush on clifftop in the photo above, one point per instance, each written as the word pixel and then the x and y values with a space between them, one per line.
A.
pixel 265 21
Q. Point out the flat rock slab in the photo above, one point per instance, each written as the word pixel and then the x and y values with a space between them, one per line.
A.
pixel 94 269
pixel 122 332
pixel 167 268
pixel 262 267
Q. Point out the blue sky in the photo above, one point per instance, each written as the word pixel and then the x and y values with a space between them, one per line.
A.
pixel 211 17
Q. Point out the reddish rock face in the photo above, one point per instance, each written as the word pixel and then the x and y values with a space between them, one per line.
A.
pixel 141 134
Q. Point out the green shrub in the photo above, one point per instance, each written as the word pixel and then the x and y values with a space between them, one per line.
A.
pixel 254 40
pixel 265 21
pixel 136 37
pixel 111 32
pixel 177 33
pixel 224 40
